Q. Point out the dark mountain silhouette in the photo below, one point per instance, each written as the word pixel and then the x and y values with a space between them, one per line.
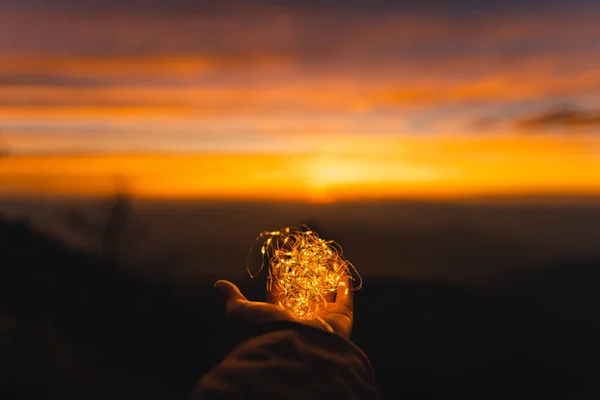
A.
pixel 73 326
pixel 80 321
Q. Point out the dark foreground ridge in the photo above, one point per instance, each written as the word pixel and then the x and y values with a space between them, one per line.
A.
pixel 74 326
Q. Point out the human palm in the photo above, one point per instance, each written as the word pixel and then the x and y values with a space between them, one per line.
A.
pixel 337 317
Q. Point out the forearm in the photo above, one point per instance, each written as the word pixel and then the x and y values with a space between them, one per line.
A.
pixel 292 361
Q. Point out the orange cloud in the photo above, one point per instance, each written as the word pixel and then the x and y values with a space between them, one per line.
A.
pixel 159 67
pixel 336 101
pixel 357 168
pixel 262 89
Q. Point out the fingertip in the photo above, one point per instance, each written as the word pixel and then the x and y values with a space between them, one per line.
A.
pixel 229 290
pixel 218 284
pixel 344 295
pixel 342 290
pixel 223 287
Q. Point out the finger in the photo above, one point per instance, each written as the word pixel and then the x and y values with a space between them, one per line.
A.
pixel 230 291
pixel 344 296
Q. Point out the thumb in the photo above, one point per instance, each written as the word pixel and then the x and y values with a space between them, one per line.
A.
pixel 230 292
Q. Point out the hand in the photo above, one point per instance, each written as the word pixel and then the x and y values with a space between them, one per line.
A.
pixel 337 317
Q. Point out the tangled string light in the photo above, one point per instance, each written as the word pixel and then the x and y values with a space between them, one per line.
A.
pixel 303 269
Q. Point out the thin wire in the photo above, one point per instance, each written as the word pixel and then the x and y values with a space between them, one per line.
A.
pixel 303 269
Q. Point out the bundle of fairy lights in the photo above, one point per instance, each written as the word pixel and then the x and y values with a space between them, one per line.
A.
pixel 305 271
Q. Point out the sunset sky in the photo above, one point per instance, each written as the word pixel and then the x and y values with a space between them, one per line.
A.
pixel 290 100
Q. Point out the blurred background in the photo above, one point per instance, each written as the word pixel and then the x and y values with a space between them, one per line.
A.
pixel 453 150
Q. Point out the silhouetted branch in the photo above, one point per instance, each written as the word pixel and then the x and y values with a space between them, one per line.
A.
pixel 110 232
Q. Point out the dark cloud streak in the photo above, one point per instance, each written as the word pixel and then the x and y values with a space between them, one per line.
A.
pixel 81 82
pixel 45 80
pixel 560 117
pixel 184 6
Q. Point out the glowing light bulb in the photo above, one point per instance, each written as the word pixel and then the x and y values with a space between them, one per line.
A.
pixel 303 269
